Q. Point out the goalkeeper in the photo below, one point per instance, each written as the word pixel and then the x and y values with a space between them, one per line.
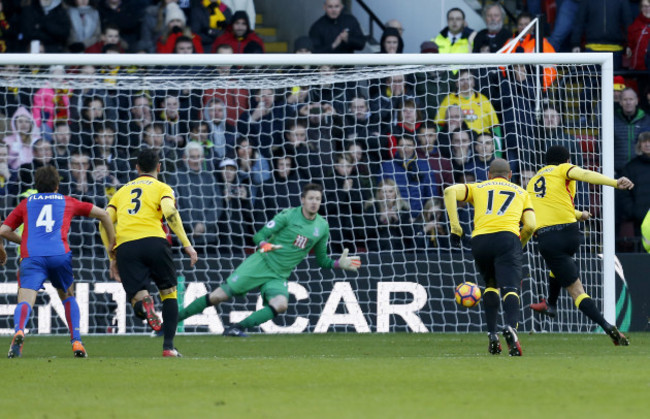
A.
pixel 283 243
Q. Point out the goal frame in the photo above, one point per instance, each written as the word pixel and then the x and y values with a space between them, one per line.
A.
pixel 605 60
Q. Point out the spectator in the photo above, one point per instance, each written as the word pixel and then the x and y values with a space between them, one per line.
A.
pixel 221 132
pixel 8 181
pixel 235 225
pixel 174 118
pixel 461 155
pixel 283 189
pixel 252 167
pixel 456 37
pixel 409 120
pixel 200 134
pixel 110 35
pixel 303 45
pixel 387 219
pixel 24 134
pixel 104 149
pixel 51 103
pixel 127 15
pixel 208 20
pixel 638 38
pixel 411 175
pixel 554 134
pixel 175 27
pixel 61 141
pixel 199 202
pixel 494 36
pixel 516 101
pixel 482 157
pixel 603 23
pixel 344 198
pixel 105 184
pixel 453 121
pixel 391 42
pixel 393 91
pixel 394 23
pixel 619 86
pixel 442 171
pixel 477 110
pixel 153 24
pixel 567 10
pixel 304 153
pixel 43 156
pixel 153 136
pixel 45 21
pixel 430 227
pixel 636 202
pixel 263 123
pixel 14 96
pixel 246 5
pixel 84 91
pixel 240 36
pixel 132 126
pixel 235 98
pixel 91 113
pixel 80 176
pixel 9 27
pixel 85 25
pixel 629 122
pixel 358 158
pixel 365 127
pixel 336 32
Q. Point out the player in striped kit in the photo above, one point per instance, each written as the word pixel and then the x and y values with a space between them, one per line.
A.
pixel 45 253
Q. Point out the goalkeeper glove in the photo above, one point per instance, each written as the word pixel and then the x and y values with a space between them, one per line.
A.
pixel 456 235
pixel 268 247
pixel 349 263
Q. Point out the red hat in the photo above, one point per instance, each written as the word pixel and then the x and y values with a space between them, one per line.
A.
pixel 619 83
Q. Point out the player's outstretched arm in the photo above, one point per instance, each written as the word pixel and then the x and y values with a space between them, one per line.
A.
pixel 595 178
pixel 349 263
pixel 528 227
pixel 176 224
pixel 452 195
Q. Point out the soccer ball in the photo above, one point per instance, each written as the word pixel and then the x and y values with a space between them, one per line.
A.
pixel 468 294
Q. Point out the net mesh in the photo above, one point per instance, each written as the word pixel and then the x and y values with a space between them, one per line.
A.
pixel 238 143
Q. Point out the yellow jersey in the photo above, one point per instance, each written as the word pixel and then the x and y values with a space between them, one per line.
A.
pixel 137 209
pixel 498 205
pixel 477 111
pixel 552 193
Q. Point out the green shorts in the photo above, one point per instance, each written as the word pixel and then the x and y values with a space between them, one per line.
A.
pixel 255 273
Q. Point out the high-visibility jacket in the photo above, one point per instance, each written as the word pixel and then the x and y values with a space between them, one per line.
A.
pixel 463 44
pixel 527 44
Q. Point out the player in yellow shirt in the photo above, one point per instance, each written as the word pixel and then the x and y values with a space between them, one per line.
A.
pixel 497 241
pixel 142 251
pixel 552 191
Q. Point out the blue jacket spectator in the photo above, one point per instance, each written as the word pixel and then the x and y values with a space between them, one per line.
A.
pixel 412 176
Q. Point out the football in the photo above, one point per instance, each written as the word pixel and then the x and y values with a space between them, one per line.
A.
pixel 468 294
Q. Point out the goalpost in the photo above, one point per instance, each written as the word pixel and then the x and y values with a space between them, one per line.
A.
pixel 406 283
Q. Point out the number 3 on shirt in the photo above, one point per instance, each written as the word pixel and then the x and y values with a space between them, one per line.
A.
pixel 45 218
pixel 137 193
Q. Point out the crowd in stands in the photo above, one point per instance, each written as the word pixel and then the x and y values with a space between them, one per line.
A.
pixel 384 150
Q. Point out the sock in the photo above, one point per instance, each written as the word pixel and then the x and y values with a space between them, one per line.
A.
pixel 139 310
pixel 554 289
pixel 21 315
pixel 170 321
pixel 511 308
pixel 197 306
pixel 491 307
pixel 588 307
pixel 72 316
pixel 260 316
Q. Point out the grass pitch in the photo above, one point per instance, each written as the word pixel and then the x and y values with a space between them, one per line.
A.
pixel 333 375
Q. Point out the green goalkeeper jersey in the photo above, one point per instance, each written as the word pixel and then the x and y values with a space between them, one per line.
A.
pixel 298 236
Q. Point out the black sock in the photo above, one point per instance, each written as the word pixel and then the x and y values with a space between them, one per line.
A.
pixel 139 310
pixel 588 307
pixel 554 289
pixel 491 308
pixel 170 321
pixel 511 307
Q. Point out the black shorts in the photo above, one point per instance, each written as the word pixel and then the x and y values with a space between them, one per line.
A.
pixel 144 260
pixel 558 244
pixel 498 257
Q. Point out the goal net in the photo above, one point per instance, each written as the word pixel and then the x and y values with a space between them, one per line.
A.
pixel 240 135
